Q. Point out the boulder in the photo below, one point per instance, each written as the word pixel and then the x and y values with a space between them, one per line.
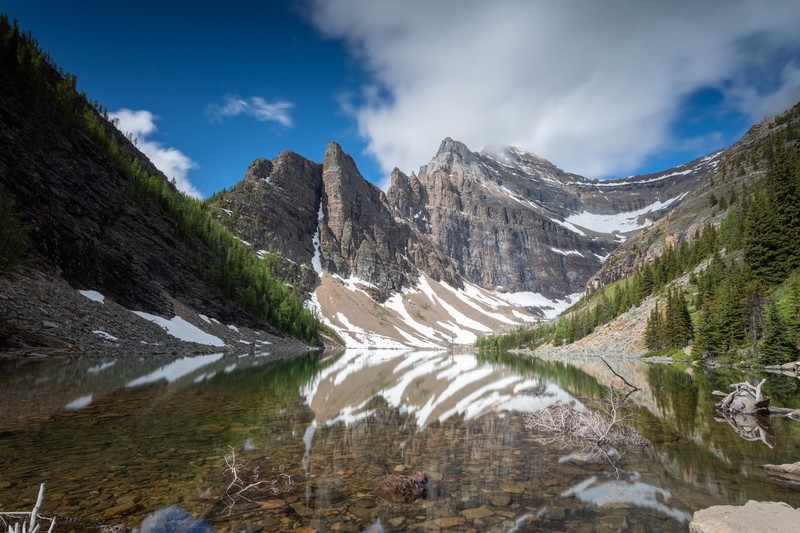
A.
pixel 752 517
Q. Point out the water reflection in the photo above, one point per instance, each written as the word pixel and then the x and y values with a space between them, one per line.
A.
pixel 179 369
pixel 142 441
pixel 632 492
pixel 750 427
pixel 428 386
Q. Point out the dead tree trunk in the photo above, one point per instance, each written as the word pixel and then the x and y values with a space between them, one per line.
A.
pixel 745 399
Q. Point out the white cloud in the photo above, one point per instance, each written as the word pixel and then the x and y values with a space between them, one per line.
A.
pixel 255 107
pixel 592 86
pixel 171 161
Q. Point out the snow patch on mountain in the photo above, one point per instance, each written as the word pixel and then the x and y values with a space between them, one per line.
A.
pixel 93 296
pixel 566 252
pixel 621 222
pixel 428 315
pixel 179 328
pixel 568 225
pixel 316 261
pixel 550 308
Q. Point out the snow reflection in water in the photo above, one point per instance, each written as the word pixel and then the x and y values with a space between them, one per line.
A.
pixel 632 492
pixel 155 430
pixel 429 386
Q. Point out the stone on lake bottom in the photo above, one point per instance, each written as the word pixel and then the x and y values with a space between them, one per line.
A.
pixel 500 500
pixel 448 522
pixel 271 505
pixel 477 512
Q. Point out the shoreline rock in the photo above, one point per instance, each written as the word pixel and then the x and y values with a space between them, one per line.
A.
pixel 752 517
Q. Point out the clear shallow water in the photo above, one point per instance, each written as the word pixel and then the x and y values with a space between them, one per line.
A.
pixel 142 442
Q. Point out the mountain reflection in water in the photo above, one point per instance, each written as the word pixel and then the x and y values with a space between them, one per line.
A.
pixel 428 386
pixel 141 441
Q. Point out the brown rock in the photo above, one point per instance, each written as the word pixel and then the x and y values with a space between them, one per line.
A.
pixel 271 505
pixel 477 512
pixel 402 489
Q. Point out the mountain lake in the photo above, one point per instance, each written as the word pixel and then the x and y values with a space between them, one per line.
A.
pixel 152 443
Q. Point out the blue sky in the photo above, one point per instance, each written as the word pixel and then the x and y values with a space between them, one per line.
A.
pixel 603 89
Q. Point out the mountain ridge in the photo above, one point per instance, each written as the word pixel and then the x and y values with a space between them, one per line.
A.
pixel 103 220
pixel 506 222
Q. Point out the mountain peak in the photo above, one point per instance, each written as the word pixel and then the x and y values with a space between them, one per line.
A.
pixel 516 157
pixel 333 150
pixel 259 169
pixel 449 146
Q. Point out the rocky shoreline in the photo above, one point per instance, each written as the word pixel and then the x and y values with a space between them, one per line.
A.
pixel 42 315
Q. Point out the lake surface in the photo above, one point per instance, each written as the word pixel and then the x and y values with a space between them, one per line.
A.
pixel 143 442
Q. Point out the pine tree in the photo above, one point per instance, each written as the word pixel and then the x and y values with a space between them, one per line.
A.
pixel 778 347
pixel 678 316
pixel 762 241
pixel 652 330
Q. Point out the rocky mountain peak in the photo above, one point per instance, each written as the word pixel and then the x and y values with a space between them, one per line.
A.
pixel 449 146
pixel 518 158
pixel 408 196
pixel 260 169
pixel 337 162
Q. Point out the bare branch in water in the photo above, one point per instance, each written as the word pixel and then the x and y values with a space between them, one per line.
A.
pixel 593 435
pixel 634 388
pixel 246 483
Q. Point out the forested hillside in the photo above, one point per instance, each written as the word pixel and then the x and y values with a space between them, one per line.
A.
pixel 78 200
pixel 732 292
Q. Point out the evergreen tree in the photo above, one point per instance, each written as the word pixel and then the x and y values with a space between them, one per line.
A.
pixel 783 185
pixel 778 347
pixel 680 323
pixel 652 335
pixel 762 241
pixel 754 313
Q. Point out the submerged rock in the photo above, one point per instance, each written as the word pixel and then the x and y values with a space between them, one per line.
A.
pixel 403 489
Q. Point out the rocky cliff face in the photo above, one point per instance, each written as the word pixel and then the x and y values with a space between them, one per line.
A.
pixel 328 217
pixel 504 221
pixel 724 175
pixel 511 220
pixel 68 171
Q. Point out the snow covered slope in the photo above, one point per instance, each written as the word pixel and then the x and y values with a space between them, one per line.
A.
pixel 430 314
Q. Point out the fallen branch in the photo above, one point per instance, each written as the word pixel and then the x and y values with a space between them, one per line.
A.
pixel 596 435
pixel 247 484
pixel 634 388
pixel 33 526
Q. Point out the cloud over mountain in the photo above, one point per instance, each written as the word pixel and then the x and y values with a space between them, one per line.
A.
pixel 594 86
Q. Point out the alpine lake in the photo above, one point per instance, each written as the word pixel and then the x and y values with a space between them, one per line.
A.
pixel 152 443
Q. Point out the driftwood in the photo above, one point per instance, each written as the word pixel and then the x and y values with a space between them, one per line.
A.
pixel 745 399
pixel 789 472
pixel 748 411
pixel 33 525
pixel 749 400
